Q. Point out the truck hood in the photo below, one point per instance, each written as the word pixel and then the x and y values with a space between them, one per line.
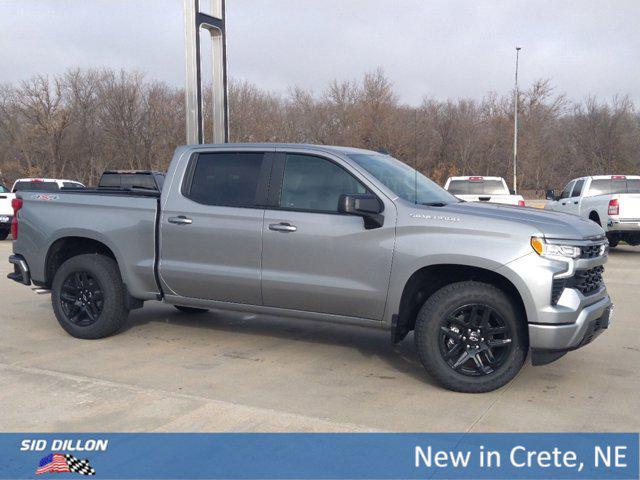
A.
pixel 550 224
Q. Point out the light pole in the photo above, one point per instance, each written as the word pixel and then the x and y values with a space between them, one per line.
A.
pixel 515 128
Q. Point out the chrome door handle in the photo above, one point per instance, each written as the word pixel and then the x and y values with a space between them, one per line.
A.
pixel 180 220
pixel 282 227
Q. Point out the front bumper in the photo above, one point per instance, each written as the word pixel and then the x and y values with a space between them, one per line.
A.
pixel 550 342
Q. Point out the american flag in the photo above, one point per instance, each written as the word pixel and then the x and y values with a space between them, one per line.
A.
pixel 54 462
pixel 61 463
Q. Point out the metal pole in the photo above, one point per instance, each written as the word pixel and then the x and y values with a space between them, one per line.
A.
pixel 195 20
pixel 515 129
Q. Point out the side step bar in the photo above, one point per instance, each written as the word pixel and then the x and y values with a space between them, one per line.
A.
pixel 21 270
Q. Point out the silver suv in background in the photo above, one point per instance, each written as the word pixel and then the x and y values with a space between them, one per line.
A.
pixel 322 233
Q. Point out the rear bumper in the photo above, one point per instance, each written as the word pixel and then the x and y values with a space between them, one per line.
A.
pixel 630 225
pixel 21 273
pixel 5 222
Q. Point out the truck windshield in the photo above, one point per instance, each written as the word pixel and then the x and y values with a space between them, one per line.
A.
pixel 477 187
pixel 403 180
pixel 607 186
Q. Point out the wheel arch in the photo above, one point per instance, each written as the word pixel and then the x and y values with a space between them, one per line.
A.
pixel 64 248
pixel 595 216
pixel 425 281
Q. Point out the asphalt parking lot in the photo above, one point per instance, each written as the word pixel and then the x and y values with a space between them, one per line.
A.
pixel 219 372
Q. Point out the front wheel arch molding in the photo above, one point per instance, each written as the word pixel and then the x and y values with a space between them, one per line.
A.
pixel 424 282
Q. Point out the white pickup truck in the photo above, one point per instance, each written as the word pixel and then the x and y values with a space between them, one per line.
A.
pixel 482 189
pixel 6 211
pixel 612 201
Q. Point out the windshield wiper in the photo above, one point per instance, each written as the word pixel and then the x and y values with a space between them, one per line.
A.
pixel 434 204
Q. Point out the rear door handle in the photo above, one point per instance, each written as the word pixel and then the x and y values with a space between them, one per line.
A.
pixel 180 220
pixel 282 227
pixel 575 203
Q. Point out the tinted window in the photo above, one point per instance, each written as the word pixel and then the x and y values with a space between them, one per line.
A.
pixel 72 185
pixel 403 180
pixel 313 183
pixel 36 186
pixel 607 186
pixel 566 193
pixel 128 180
pixel 477 187
pixel 3 189
pixel 228 179
pixel 577 189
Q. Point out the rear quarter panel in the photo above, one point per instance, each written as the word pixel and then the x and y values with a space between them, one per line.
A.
pixel 125 224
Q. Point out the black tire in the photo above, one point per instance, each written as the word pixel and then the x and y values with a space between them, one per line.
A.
pixel 594 217
pixel 508 349
pixel 99 278
pixel 4 234
pixel 191 310
pixel 613 241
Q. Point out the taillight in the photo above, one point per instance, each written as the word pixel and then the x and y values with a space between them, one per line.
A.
pixel 16 204
pixel 521 203
pixel 614 207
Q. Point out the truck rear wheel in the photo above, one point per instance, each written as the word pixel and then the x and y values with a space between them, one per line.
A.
pixel 88 296
pixel 470 337
pixel 4 234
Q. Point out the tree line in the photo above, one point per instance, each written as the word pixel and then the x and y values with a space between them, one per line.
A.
pixel 82 122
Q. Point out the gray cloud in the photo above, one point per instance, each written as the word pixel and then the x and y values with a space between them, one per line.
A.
pixel 441 49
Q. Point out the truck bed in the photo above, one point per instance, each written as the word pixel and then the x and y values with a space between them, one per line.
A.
pixel 124 221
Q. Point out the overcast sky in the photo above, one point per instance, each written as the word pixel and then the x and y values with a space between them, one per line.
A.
pixel 441 49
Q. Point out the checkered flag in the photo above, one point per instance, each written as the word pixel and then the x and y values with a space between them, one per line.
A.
pixel 79 466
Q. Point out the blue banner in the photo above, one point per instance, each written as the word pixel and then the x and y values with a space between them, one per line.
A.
pixel 320 456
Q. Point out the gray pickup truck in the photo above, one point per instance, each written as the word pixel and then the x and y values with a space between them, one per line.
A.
pixel 323 233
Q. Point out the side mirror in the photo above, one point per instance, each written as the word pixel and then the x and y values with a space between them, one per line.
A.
pixel 366 206
pixel 512 191
pixel 550 194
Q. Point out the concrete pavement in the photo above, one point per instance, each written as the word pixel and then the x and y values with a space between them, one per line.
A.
pixel 169 371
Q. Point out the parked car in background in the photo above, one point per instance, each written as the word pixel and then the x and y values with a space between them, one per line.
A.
pixel 612 201
pixel 44 184
pixel 128 179
pixel 337 234
pixel 482 189
pixel 6 211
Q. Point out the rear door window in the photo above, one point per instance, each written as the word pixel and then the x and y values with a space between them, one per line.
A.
pixel 226 179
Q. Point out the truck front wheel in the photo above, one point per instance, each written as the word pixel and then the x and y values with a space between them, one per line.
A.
pixel 88 296
pixel 4 234
pixel 470 337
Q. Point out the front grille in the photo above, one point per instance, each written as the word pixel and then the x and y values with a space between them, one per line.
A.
pixel 590 251
pixel 587 281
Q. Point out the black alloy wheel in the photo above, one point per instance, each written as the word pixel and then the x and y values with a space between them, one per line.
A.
pixel 475 340
pixel 81 298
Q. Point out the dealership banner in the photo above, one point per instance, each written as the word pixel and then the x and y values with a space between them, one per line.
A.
pixel 320 455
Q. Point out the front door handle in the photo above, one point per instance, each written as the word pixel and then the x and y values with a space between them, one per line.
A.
pixel 564 203
pixel 180 220
pixel 282 227
pixel 575 203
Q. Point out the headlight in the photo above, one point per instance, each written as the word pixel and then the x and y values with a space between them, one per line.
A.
pixel 545 249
